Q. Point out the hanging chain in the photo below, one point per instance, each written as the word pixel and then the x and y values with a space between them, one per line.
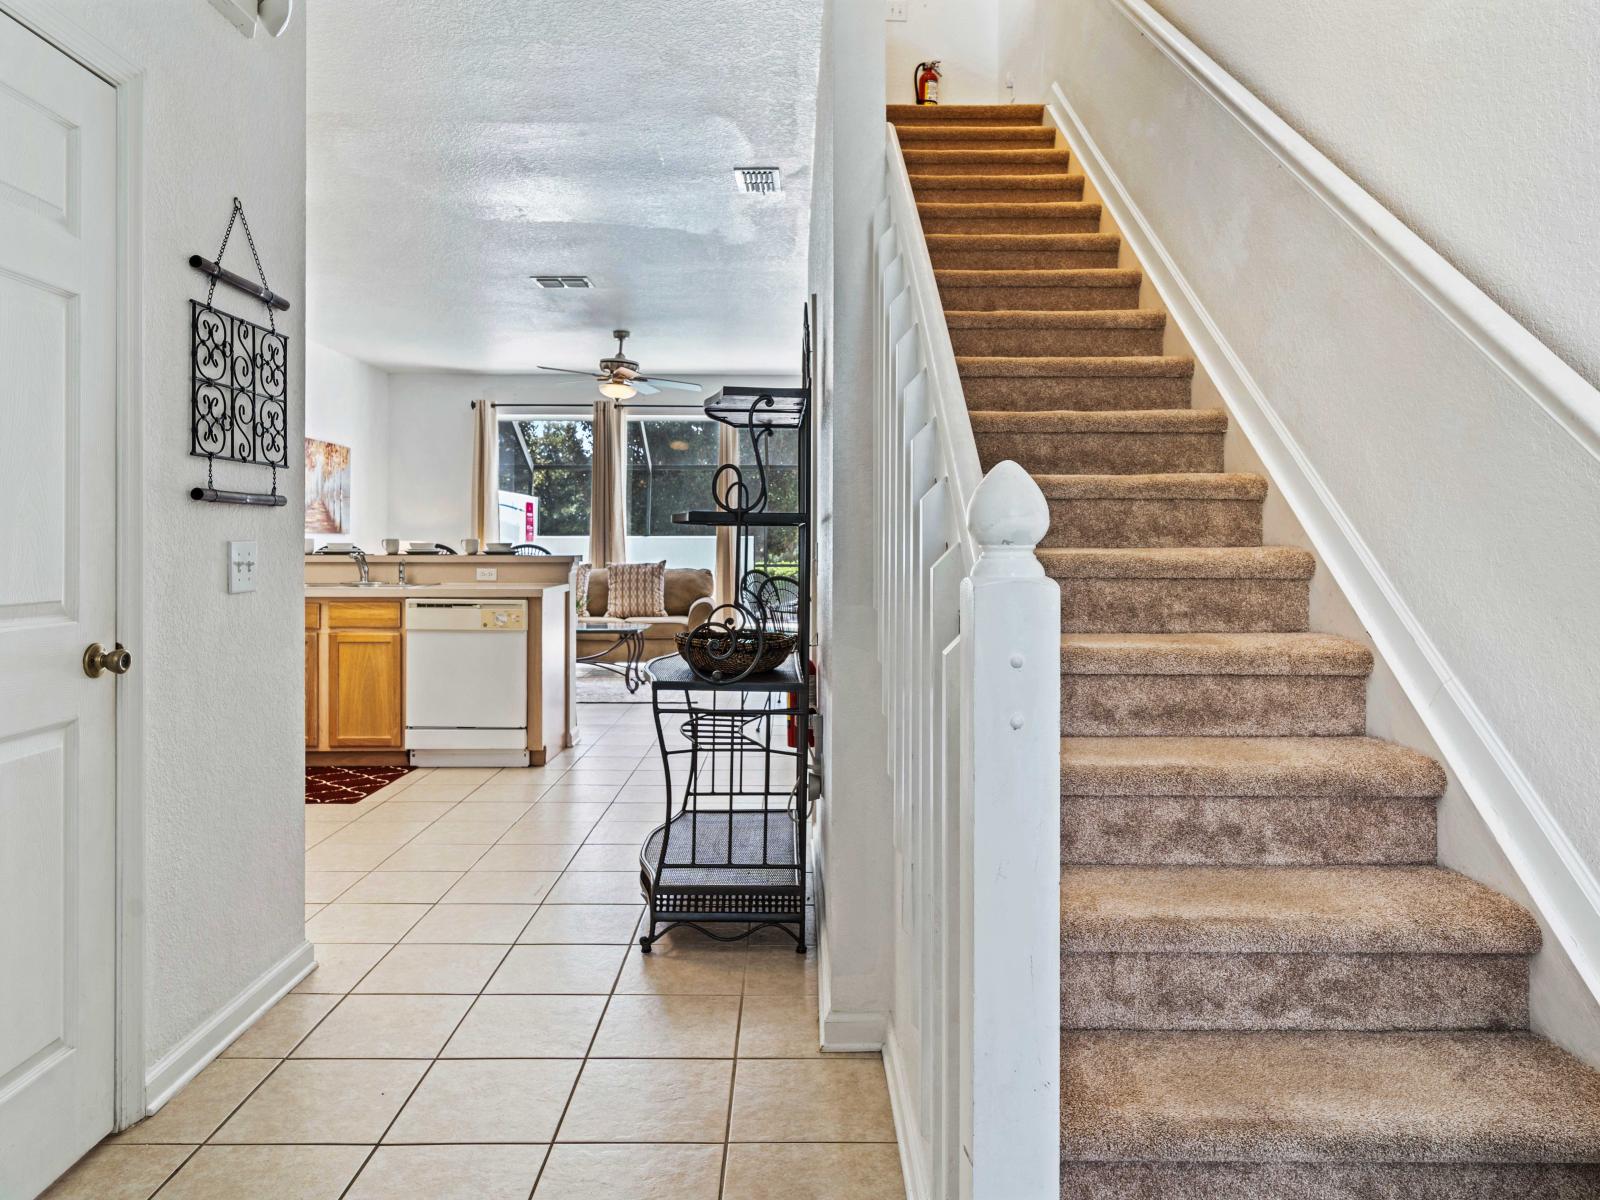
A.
pixel 238 215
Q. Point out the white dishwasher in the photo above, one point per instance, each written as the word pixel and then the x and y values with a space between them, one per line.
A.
pixel 467 682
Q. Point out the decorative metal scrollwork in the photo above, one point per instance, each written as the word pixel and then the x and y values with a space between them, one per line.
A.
pixel 240 408
pixel 239 377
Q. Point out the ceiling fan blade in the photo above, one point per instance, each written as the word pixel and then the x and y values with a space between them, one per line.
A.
pixel 677 385
pixel 643 387
pixel 570 371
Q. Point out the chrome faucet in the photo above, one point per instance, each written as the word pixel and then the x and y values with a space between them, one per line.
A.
pixel 360 555
pixel 402 572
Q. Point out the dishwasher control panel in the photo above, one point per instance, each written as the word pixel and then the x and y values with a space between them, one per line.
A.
pixel 503 618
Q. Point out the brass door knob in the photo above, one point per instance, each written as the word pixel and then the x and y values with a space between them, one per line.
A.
pixel 97 660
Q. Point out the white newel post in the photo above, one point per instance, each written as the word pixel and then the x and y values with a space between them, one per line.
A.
pixel 1010 621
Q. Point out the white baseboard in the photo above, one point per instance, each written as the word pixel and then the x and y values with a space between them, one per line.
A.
pixel 190 1056
pixel 1561 886
pixel 843 1032
pixel 906 1135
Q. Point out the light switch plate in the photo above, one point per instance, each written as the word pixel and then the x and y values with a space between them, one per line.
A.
pixel 897 10
pixel 241 567
pixel 488 574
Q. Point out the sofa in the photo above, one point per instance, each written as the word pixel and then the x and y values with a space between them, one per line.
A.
pixel 687 601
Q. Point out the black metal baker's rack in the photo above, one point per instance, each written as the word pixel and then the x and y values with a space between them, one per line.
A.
pixel 730 858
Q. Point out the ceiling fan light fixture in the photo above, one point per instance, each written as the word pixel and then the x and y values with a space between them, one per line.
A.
pixel 618 389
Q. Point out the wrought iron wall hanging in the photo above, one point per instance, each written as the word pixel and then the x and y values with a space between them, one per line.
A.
pixel 239 379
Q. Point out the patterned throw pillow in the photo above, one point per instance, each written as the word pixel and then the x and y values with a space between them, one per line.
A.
pixel 636 589
pixel 581 586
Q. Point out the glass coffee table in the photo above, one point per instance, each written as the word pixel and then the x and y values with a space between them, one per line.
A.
pixel 628 637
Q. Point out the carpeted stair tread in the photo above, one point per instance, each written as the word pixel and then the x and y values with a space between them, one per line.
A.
pixel 1088 318
pixel 1143 420
pixel 1066 181
pixel 1066 210
pixel 1326 1097
pixel 935 134
pixel 1212 654
pixel 1142 366
pixel 1011 114
pixel 1180 562
pixel 1083 277
pixel 1000 157
pixel 1022 241
pixel 1246 766
pixel 1202 485
pixel 1288 910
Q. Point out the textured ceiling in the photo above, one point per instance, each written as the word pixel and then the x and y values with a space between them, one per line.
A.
pixel 454 149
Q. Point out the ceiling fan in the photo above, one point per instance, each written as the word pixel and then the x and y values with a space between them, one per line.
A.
pixel 620 378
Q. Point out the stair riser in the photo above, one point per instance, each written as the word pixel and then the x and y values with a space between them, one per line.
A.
pixel 1011 224
pixel 1153 524
pixel 1056 343
pixel 1326 1181
pixel 1023 260
pixel 1254 831
pixel 997 137
pixel 1185 605
pixel 1213 705
pixel 928 116
pixel 1038 299
pixel 935 164
pixel 933 194
pixel 1103 453
pixel 1097 393
pixel 1375 992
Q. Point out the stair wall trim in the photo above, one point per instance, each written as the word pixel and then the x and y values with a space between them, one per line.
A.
pixel 1559 882
pixel 1571 401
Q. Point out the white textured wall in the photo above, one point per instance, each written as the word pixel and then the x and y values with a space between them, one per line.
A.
pixel 1474 123
pixel 347 401
pixel 961 34
pixel 221 674
pixel 430 437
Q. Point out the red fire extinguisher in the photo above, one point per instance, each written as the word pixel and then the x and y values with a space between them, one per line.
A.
pixel 926 78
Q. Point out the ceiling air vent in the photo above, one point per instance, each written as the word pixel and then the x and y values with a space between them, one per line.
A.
pixel 763 181
pixel 563 281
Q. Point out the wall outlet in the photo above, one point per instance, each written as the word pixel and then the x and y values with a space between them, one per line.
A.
pixel 488 574
pixel 241 567
pixel 897 10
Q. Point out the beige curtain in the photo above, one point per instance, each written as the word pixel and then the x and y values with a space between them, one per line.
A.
pixel 607 542
pixel 483 464
pixel 722 580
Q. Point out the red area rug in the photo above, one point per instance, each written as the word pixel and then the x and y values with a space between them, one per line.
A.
pixel 346 785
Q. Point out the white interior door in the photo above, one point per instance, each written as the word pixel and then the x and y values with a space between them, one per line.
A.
pixel 57 590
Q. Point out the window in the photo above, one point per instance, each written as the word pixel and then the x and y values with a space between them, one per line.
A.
pixel 670 463
pixel 545 464
pixel 774 549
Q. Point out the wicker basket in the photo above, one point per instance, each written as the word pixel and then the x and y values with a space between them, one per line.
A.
pixel 734 653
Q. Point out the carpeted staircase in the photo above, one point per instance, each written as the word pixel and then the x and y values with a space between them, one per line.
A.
pixel 1269 989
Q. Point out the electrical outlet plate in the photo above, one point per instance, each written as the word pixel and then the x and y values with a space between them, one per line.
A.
pixel 241 567
pixel 488 574
pixel 897 10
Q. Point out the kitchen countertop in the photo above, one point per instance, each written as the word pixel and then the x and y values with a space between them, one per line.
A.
pixel 438 591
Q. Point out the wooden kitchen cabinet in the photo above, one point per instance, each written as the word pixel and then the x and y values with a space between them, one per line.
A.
pixel 355 677
pixel 365 690
pixel 313 692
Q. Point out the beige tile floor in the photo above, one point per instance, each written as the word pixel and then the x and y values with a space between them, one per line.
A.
pixel 482 1026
